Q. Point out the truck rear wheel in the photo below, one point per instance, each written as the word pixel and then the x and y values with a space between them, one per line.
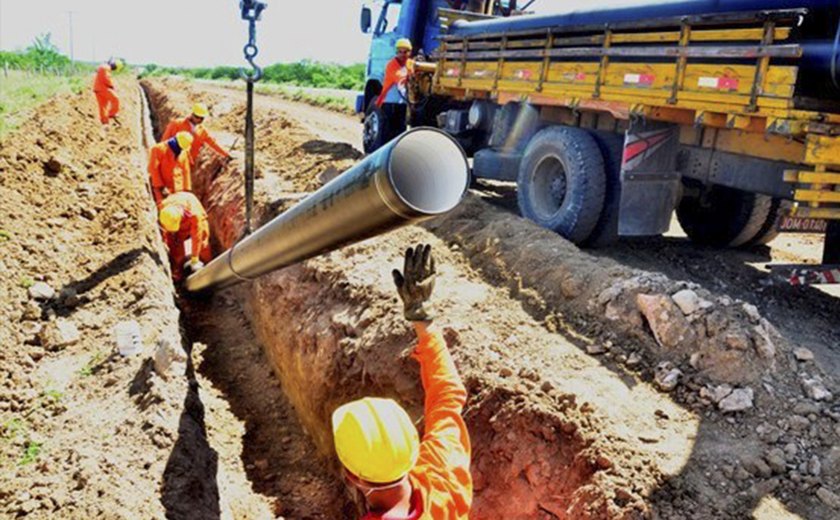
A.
pixel 606 229
pixel 768 231
pixel 561 182
pixel 724 216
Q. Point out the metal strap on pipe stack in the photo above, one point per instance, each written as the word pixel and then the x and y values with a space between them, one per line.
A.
pixel 419 175
pixel 819 33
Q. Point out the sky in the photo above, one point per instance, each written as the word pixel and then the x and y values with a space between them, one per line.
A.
pixel 197 33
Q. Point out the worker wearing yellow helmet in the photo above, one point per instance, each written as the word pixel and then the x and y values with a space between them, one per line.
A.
pixel 183 217
pixel 169 166
pixel 396 474
pixel 393 100
pixel 194 124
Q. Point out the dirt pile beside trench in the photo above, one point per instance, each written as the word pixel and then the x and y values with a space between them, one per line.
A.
pixel 563 354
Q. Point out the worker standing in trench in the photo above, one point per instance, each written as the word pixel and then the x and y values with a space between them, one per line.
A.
pixel 169 166
pixel 193 124
pixel 183 217
pixel 400 477
pixel 103 88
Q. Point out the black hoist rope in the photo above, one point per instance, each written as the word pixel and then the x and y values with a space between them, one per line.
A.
pixel 251 11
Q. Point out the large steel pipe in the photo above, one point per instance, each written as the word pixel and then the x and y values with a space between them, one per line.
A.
pixel 421 174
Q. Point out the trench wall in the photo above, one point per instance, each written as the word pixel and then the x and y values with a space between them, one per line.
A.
pixel 333 331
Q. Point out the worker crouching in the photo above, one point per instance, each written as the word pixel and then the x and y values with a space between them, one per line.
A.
pixel 399 476
pixel 183 217
pixel 169 166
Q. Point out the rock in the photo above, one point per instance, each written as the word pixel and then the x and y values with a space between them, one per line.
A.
pixel 595 349
pixel 687 300
pixel 547 387
pixel 31 311
pixel 805 408
pixel 666 376
pixel 815 466
pixel 814 389
pixel 828 498
pixel 69 298
pixel 737 339
pixel 119 215
pixel 720 392
pixel 752 312
pixel 666 320
pixel 505 372
pixel 831 461
pixel 88 213
pixel 169 360
pixel 30 329
pixel 128 338
pixel 776 460
pixel 59 334
pixel 756 466
pixel 798 423
pixel 763 343
pixel 41 291
pixel 634 359
pixel 803 354
pixel 53 167
pixel 739 400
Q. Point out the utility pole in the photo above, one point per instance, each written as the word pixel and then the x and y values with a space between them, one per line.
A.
pixel 70 20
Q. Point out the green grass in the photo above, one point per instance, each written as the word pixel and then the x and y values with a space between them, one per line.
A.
pixel 22 92
pixel 92 364
pixel 31 451
pixel 26 282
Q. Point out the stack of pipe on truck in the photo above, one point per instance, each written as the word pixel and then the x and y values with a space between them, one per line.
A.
pixel 609 119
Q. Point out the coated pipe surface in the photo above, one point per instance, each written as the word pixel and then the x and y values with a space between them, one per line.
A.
pixel 418 175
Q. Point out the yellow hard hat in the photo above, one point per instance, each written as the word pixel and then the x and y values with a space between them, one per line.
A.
pixel 170 217
pixel 375 439
pixel 118 65
pixel 403 43
pixel 185 140
pixel 200 110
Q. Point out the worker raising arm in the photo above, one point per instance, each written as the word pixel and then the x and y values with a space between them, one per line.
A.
pixel 401 477
pixel 103 88
pixel 169 166
pixel 183 217
pixel 193 124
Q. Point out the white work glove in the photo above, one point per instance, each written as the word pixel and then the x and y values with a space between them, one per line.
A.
pixel 194 265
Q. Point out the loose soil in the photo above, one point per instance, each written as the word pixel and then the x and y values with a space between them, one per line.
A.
pixel 560 349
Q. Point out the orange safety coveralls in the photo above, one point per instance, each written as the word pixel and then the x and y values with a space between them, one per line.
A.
pixel 103 88
pixel 168 171
pixel 396 75
pixel 200 137
pixel 194 226
pixel 440 480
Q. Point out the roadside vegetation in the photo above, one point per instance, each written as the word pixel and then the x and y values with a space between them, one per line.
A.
pixel 302 74
pixel 34 75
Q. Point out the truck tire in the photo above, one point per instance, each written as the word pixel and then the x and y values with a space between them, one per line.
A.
pixel 612 149
pixel 728 217
pixel 561 182
pixel 375 129
pixel 768 230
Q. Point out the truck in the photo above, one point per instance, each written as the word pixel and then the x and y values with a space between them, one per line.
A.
pixel 611 119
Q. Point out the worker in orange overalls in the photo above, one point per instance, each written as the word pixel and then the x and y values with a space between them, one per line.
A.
pixel 394 96
pixel 103 88
pixel 400 477
pixel 169 166
pixel 183 217
pixel 193 124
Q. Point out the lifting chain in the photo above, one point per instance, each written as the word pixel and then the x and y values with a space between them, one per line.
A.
pixel 251 11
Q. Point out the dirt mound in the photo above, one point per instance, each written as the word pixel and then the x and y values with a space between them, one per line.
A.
pixel 568 357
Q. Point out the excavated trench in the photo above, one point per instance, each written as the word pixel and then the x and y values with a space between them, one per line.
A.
pixel 556 432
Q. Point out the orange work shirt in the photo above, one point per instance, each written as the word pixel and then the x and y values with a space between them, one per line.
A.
pixel 441 480
pixel 194 223
pixel 168 171
pixel 102 81
pixel 200 137
pixel 396 77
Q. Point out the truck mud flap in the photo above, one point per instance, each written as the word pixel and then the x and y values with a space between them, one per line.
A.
pixel 650 182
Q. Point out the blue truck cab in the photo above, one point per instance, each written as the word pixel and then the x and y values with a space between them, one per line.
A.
pixel 416 20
